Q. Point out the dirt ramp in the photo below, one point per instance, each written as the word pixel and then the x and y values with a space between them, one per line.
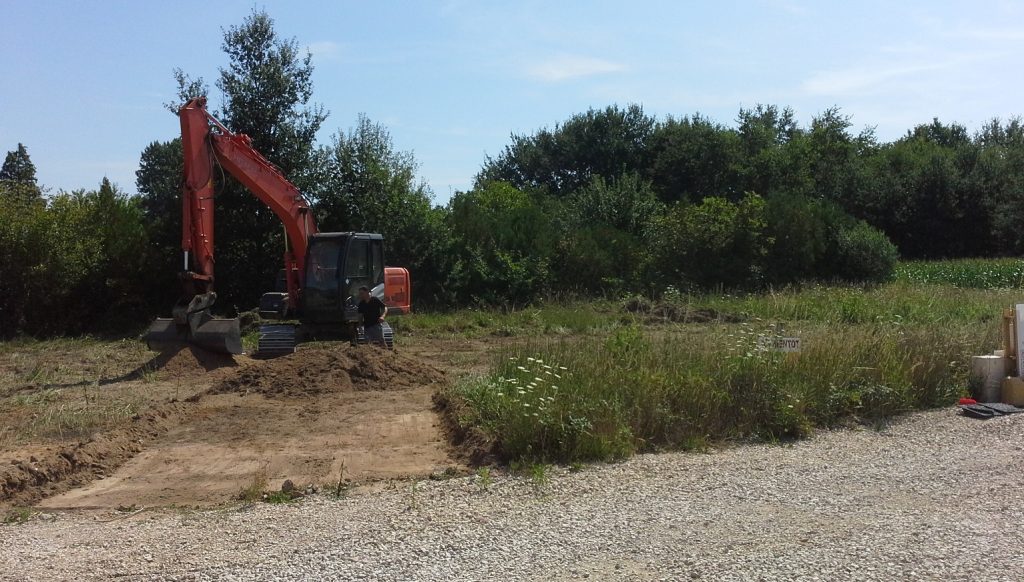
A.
pixel 60 468
pixel 311 371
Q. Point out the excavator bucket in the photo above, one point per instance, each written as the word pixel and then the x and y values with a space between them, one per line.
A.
pixel 216 335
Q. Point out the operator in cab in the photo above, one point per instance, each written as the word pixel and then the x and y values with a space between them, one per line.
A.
pixel 372 311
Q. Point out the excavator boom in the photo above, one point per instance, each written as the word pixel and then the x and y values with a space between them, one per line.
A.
pixel 206 142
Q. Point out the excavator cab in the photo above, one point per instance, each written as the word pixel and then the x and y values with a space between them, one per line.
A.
pixel 337 265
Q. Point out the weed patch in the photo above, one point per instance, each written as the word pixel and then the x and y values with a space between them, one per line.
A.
pixel 636 390
pixel 256 487
pixel 18 515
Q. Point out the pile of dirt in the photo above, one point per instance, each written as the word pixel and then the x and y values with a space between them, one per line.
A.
pixel 190 361
pixel 319 370
pixel 25 481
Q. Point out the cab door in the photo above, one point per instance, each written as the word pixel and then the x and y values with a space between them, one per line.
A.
pixel 321 293
pixel 364 266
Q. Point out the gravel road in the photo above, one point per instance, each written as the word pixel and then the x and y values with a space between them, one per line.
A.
pixel 934 496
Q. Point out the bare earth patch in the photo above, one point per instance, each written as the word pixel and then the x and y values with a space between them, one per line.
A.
pixel 209 424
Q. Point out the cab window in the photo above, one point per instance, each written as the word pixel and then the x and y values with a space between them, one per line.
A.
pixel 357 263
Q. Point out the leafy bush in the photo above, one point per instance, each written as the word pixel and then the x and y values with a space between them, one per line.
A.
pixel 864 253
pixel 23 227
pixel 714 243
pixel 504 240
pixel 798 230
pixel 73 265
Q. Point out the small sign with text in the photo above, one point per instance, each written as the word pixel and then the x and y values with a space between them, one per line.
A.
pixel 780 344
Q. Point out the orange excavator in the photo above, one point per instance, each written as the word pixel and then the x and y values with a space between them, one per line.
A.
pixel 322 273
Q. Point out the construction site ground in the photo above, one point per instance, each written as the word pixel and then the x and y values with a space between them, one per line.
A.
pixel 89 424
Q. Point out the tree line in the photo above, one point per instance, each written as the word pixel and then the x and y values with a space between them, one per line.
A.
pixel 609 201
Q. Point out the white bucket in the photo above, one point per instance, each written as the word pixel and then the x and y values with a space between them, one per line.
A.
pixel 987 373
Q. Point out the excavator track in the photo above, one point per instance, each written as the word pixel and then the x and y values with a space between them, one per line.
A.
pixel 276 340
pixel 389 335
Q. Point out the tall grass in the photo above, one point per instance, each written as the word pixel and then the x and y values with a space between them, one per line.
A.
pixel 546 319
pixel 894 303
pixel 636 390
pixel 64 415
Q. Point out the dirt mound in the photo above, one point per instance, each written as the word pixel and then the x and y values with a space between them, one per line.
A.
pixel 189 361
pixel 318 370
pixel 25 481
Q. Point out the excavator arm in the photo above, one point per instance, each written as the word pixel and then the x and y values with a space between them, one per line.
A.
pixel 206 143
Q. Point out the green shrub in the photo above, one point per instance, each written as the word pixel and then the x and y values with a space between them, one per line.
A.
pixel 714 243
pixel 504 240
pixel 799 238
pixel 864 254
pixel 598 259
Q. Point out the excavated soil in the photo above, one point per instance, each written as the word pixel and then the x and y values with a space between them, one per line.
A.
pixel 57 469
pixel 190 361
pixel 315 371
pixel 317 416
pixel 470 445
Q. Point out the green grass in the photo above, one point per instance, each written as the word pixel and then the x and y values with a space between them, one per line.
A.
pixel 18 515
pixel 549 319
pixel 1007 273
pixel 67 361
pixel 70 414
pixel 868 354
pixel 898 302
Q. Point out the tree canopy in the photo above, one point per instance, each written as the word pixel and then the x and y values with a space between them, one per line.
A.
pixel 18 177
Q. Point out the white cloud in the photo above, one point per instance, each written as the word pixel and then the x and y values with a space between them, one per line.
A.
pixel 324 49
pixel 862 79
pixel 564 67
pixel 990 34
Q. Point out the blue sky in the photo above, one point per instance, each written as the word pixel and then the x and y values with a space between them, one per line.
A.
pixel 84 82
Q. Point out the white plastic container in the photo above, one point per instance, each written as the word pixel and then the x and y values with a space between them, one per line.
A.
pixel 987 373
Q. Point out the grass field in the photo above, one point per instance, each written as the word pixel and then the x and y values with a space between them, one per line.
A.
pixel 628 381
pixel 59 390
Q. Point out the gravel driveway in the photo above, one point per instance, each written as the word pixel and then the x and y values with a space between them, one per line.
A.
pixel 935 496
